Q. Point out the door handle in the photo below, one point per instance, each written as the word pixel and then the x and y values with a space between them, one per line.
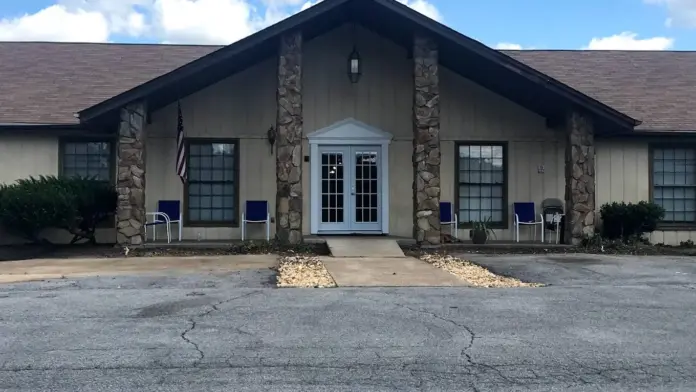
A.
pixel 352 190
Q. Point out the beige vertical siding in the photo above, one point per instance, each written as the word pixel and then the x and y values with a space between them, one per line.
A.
pixel 623 174
pixel 243 106
pixel 27 156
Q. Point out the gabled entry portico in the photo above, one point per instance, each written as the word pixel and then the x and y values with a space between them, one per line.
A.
pixel 349 174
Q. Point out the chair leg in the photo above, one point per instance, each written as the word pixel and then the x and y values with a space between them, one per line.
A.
pixel 517 233
pixel 169 233
pixel 243 228
pixel 542 233
pixel 154 233
pixel 268 230
pixel 181 224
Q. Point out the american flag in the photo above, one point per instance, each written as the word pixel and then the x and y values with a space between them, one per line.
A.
pixel 180 146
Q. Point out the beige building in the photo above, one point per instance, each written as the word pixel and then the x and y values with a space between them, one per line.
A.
pixel 427 116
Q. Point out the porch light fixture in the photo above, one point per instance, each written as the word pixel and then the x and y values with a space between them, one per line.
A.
pixel 271 136
pixel 354 66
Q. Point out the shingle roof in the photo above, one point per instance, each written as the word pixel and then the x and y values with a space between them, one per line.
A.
pixel 656 87
pixel 48 82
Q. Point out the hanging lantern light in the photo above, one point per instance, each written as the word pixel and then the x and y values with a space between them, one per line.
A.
pixel 354 66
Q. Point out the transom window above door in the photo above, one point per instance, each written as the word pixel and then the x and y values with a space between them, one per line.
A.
pixel 481 182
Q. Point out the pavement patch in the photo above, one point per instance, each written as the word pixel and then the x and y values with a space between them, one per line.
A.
pixel 385 271
pixel 43 269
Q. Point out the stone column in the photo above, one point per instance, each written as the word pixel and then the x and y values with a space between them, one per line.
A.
pixel 426 141
pixel 130 213
pixel 579 177
pixel 289 140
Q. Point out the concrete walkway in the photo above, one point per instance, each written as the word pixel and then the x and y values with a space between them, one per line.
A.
pixel 40 269
pixel 363 247
pixel 387 271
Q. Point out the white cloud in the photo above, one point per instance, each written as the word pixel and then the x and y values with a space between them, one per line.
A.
pixel 424 7
pixel 56 23
pixel 680 12
pixel 630 41
pixel 203 21
pixel 508 46
pixel 172 21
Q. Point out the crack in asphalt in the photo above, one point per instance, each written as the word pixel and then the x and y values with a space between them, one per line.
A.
pixel 464 351
pixel 213 308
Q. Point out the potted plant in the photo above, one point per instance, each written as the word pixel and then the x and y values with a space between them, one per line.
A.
pixel 481 230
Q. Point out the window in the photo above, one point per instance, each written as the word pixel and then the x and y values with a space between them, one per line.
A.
pixel 481 183
pixel 211 190
pixel 674 183
pixel 89 159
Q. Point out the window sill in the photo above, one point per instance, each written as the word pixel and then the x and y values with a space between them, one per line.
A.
pixel 676 227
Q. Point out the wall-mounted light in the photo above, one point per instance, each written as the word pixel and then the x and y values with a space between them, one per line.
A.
pixel 354 66
pixel 271 135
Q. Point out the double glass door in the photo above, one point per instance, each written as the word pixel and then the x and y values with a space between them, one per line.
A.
pixel 349 189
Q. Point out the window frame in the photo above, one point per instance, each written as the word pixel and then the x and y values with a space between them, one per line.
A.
pixel 112 151
pixel 109 222
pixel 651 183
pixel 235 222
pixel 505 224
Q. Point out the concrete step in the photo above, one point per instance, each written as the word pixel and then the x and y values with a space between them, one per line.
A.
pixel 363 247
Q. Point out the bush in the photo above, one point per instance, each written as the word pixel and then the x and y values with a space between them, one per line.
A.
pixel 629 221
pixel 77 205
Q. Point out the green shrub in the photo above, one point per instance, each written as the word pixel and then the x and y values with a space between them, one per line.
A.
pixel 630 221
pixel 75 204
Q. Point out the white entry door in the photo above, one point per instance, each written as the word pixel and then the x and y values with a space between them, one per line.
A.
pixel 349 189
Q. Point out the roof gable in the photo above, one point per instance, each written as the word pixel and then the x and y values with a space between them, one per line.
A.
pixel 490 68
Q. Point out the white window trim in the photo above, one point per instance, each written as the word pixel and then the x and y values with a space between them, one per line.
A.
pixel 348 132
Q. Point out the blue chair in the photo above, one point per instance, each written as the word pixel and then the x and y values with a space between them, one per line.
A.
pixel 168 212
pixel 256 211
pixel 448 217
pixel 526 216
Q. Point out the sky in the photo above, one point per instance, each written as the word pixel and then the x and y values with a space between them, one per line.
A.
pixel 504 24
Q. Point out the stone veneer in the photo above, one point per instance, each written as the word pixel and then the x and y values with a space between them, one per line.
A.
pixel 289 141
pixel 426 141
pixel 580 181
pixel 130 213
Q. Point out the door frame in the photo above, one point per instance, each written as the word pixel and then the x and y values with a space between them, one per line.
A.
pixel 348 132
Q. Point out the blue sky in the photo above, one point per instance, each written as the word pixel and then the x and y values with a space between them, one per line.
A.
pixel 539 24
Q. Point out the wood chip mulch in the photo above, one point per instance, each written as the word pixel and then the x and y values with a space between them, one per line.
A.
pixel 474 274
pixel 303 271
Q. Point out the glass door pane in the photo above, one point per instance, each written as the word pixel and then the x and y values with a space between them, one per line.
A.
pixel 366 189
pixel 334 180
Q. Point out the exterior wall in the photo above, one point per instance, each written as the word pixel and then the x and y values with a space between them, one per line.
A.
pixel 382 98
pixel 623 168
pixel 26 156
pixel 241 106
